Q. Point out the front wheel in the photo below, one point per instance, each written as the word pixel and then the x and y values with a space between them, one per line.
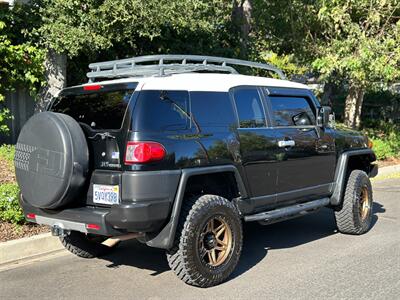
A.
pixel 208 242
pixel 355 215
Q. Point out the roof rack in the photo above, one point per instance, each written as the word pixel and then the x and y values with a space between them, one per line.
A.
pixel 141 66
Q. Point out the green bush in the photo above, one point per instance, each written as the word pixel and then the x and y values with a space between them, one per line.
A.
pixel 385 136
pixel 7 152
pixel 10 211
pixel 383 149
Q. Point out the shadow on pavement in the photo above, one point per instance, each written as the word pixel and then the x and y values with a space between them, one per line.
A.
pixel 258 240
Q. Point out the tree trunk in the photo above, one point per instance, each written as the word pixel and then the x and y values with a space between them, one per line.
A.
pixel 353 106
pixel 241 17
pixel 327 94
pixel 56 74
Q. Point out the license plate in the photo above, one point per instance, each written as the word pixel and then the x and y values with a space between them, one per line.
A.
pixel 105 194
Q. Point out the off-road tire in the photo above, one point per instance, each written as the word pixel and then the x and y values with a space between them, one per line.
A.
pixel 349 218
pixel 184 258
pixel 81 245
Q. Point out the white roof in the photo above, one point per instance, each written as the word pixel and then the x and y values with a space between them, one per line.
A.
pixel 203 82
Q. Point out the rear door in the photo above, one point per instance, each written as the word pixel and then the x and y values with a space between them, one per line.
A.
pixel 307 154
pixel 101 111
pixel 258 146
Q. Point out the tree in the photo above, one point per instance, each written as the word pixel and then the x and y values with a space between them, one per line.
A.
pixel 242 21
pixel 359 43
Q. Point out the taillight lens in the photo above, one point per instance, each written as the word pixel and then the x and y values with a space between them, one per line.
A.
pixel 93 226
pixel 142 152
pixel 31 216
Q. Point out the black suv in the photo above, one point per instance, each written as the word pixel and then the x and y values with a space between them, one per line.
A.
pixel 178 153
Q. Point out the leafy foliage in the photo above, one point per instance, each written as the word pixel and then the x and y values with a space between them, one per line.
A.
pixel 359 40
pixel 10 211
pixel 385 137
pixel 21 63
pixel 157 25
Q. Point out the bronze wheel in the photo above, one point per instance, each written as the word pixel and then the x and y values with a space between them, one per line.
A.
pixel 365 203
pixel 208 243
pixel 215 242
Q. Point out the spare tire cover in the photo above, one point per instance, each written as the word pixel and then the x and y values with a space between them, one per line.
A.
pixel 51 160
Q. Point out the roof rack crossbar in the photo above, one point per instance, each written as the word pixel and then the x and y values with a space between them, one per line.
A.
pixel 170 64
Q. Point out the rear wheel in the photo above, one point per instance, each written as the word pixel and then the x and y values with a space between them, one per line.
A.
pixel 208 242
pixel 85 245
pixel 355 215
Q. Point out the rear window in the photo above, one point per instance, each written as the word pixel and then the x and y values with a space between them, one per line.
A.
pixel 162 111
pixel 102 110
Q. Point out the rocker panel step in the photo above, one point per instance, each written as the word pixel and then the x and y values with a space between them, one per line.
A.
pixel 289 211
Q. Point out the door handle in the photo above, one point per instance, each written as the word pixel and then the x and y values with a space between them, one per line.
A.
pixel 289 143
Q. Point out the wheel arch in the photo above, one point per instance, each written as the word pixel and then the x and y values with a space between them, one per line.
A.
pixel 164 239
pixel 348 161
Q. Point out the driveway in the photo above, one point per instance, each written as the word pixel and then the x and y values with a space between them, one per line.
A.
pixel 298 259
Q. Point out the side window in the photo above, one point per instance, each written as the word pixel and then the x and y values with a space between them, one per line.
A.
pixel 249 107
pixel 292 111
pixel 212 109
pixel 162 111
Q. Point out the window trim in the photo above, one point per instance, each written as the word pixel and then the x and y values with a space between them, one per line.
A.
pixel 260 95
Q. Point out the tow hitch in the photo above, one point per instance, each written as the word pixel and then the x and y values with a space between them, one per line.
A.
pixel 58 231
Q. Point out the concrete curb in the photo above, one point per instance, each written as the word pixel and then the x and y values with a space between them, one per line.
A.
pixel 15 250
pixel 384 171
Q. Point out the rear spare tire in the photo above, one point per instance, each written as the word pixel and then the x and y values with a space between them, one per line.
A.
pixel 51 160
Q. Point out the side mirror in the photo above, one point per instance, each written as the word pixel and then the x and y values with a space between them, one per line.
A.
pixel 301 119
pixel 323 116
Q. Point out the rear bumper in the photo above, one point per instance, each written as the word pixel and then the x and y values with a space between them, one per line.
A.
pixel 147 198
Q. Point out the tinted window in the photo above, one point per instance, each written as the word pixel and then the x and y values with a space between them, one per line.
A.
pixel 292 111
pixel 249 107
pixel 103 110
pixel 212 108
pixel 162 111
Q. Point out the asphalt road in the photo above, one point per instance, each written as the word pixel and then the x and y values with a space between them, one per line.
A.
pixel 303 258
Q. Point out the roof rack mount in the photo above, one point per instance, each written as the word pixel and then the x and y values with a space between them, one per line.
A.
pixel 141 66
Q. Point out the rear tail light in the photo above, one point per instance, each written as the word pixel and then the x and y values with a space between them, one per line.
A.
pixel 31 216
pixel 93 226
pixel 142 152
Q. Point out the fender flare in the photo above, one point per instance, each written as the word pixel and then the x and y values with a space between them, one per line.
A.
pixel 166 237
pixel 341 172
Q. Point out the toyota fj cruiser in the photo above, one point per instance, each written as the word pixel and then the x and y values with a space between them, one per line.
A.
pixel 179 153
